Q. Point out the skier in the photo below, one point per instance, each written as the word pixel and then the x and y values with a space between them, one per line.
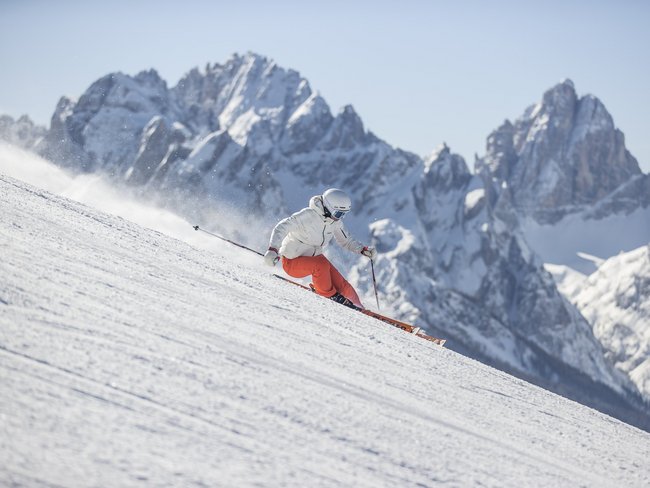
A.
pixel 299 240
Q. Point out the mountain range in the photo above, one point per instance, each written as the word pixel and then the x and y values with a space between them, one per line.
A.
pixel 463 253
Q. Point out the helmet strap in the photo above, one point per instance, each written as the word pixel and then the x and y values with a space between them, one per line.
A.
pixel 326 212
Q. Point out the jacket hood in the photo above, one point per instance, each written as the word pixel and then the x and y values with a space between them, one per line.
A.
pixel 316 203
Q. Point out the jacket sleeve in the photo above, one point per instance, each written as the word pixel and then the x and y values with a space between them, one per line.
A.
pixel 282 229
pixel 346 241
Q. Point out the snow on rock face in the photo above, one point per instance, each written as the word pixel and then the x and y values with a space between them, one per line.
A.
pixel 561 155
pixel 393 239
pixel 113 110
pixel 21 132
pixel 307 125
pixel 616 301
pixel 475 260
pixel 474 200
pixel 236 95
pixel 346 131
pixel 569 281
pixel 156 142
pixel 104 126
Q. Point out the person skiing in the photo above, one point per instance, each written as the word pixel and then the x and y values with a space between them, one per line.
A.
pixel 299 241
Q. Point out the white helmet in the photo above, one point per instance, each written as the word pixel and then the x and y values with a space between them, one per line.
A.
pixel 337 203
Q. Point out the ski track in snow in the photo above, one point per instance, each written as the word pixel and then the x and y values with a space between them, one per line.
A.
pixel 130 358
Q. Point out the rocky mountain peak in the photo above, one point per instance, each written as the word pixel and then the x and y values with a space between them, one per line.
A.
pixel 346 131
pixel 501 155
pixel 561 98
pixel 21 132
pixel 446 170
pixel 560 155
pixel 238 94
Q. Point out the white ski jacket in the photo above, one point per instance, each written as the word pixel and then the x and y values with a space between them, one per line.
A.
pixel 308 231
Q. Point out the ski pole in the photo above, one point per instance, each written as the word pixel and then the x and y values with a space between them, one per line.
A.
pixel 196 227
pixel 374 282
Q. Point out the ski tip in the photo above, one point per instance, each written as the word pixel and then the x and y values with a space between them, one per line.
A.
pixel 435 340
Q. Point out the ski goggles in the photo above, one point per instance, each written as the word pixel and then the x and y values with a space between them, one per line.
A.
pixel 339 214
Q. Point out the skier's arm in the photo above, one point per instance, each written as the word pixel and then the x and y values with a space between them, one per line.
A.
pixel 346 241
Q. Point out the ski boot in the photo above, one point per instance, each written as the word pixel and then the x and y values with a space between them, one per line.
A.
pixel 338 298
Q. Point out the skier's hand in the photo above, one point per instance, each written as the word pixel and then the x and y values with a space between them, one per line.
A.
pixel 271 257
pixel 370 252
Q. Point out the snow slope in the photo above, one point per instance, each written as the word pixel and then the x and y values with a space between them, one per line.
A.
pixel 129 358
pixel 616 300
pixel 563 242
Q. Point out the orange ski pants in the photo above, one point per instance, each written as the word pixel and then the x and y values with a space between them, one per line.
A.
pixel 325 277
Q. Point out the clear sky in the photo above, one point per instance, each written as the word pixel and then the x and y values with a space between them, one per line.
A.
pixel 417 72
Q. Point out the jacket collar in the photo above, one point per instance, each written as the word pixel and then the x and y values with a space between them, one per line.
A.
pixel 316 204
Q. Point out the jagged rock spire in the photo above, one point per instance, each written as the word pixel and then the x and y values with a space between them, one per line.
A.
pixel 562 154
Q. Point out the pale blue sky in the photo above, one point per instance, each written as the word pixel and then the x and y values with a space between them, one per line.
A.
pixel 418 72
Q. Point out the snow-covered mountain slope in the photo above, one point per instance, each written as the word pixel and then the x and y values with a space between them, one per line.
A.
pixel 564 242
pixel 464 264
pixel 616 301
pixel 569 281
pixel 129 358
pixel 580 198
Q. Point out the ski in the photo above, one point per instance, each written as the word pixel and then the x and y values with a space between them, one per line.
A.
pixel 411 329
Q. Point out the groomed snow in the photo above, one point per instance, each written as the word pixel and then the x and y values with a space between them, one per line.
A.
pixel 128 357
